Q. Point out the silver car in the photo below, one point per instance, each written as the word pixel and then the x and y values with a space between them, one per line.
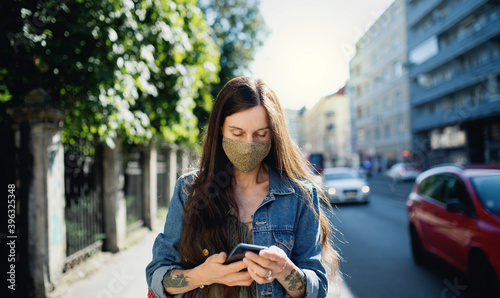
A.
pixel 403 172
pixel 343 185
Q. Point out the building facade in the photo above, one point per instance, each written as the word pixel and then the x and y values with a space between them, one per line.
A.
pixel 454 58
pixel 293 122
pixel 379 91
pixel 327 129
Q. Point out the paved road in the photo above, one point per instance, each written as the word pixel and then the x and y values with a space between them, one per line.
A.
pixel 376 251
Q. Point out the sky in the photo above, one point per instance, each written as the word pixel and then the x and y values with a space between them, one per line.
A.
pixel 307 52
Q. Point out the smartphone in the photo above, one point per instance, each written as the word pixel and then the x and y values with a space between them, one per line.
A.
pixel 239 250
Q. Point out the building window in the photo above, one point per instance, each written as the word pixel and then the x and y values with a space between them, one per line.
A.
pixel 397 97
pixel 359 91
pixel 448 137
pixel 360 136
pixel 387 76
pixel 357 70
pixel 447 74
pixel 424 51
pixel 478 94
pixel 430 109
pixel 359 113
pixel 424 80
pixel 433 108
pixel 375 106
pixel 426 23
pixel 414 3
pixel 477 59
pixel 495 49
pixel 444 41
pixel 398 69
pixel 460 101
pixel 387 129
pixel 399 125
pixel 439 13
pixel 447 104
pixel 494 12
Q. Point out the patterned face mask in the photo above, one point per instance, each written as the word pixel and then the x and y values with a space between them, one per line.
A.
pixel 245 156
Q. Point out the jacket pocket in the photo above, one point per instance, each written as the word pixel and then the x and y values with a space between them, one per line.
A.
pixel 284 240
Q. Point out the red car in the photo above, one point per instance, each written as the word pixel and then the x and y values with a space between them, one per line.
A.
pixel 454 213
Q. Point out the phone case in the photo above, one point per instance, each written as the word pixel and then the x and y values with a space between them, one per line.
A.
pixel 239 250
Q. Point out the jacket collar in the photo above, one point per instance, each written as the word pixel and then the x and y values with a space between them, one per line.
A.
pixel 279 185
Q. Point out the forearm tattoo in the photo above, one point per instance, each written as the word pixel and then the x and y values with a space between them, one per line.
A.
pixel 178 281
pixel 296 280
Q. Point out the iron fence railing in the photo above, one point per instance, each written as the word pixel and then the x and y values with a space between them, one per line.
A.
pixel 133 187
pixel 83 192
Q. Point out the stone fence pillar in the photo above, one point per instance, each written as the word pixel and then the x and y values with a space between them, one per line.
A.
pixel 39 125
pixel 115 213
pixel 149 166
pixel 171 169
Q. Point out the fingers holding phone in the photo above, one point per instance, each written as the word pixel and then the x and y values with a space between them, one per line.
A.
pixel 268 265
pixel 231 274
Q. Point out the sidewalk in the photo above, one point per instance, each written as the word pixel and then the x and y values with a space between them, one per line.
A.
pixel 122 274
pixel 112 275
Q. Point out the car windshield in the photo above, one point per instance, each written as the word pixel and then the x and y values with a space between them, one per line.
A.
pixel 488 188
pixel 340 176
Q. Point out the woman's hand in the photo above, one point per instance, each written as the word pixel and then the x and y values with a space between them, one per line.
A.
pixel 211 271
pixel 273 263
pixel 230 275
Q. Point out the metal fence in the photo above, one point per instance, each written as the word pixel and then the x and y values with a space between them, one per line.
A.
pixel 161 180
pixel 83 191
pixel 133 187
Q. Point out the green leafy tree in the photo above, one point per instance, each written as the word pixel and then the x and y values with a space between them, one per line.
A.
pixel 135 67
pixel 239 30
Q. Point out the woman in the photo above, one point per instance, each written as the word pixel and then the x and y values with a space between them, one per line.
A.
pixel 252 186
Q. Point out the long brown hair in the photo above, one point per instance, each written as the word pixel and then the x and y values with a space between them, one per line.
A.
pixel 211 194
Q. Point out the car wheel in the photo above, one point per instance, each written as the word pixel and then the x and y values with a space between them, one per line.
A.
pixel 483 276
pixel 419 253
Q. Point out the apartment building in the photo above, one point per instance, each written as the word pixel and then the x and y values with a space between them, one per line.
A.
pixel 454 58
pixel 293 122
pixel 379 90
pixel 327 129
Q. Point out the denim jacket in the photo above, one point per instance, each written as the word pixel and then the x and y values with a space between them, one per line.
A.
pixel 284 219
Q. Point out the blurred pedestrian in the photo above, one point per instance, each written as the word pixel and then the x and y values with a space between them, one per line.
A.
pixel 252 186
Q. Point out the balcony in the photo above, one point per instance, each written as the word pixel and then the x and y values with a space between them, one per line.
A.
pixel 453 16
pixel 455 50
pixel 416 13
pixel 421 95
pixel 485 109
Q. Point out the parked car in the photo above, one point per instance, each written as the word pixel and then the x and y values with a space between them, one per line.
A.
pixel 344 185
pixel 454 213
pixel 403 172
